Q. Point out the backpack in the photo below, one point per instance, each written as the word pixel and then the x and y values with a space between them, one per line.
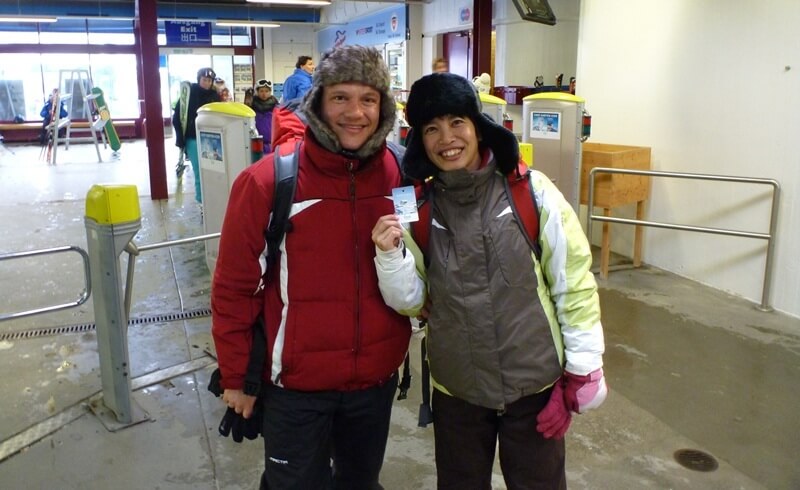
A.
pixel 285 185
pixel 523 204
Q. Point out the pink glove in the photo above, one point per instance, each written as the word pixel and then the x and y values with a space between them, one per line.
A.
pixel 586 392
pixel 554 419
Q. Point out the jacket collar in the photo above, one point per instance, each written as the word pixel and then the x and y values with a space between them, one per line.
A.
pixel 341 163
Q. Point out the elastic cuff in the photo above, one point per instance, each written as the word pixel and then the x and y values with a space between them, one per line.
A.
pixel 389 256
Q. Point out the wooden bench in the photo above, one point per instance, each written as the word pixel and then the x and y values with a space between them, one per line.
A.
pixel 29 131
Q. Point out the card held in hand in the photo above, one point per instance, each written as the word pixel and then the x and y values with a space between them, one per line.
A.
pixel 405 204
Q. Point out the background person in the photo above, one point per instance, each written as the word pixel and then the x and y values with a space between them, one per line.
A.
pixel 333 345
pixel 47 113
pixel 440 65
pixel 263 104
pixel 299 82
pixel 201 93
pixel 514 343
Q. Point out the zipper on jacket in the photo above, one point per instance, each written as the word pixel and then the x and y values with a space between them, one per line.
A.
pixel 356 340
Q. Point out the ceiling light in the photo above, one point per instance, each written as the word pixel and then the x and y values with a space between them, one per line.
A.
pixel 245 23
pixel 22 18
pixel 311 3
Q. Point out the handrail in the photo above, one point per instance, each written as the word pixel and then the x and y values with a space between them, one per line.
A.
pixel 770 237
pixel 134 250
pixel 87 291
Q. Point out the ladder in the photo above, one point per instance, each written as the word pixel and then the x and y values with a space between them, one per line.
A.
pixel 67 81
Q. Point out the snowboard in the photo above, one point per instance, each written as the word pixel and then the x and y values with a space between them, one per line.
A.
pixel 102 109
pixel 183 103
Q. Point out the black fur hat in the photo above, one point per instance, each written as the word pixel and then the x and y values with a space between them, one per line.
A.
pixel 441 94
pixel 350 64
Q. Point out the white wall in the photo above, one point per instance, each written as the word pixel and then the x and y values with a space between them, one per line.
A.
pixel 712 87
pixel 282 46
pixel 527 49
pixel 342 12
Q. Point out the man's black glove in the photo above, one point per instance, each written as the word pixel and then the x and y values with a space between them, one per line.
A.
pixel 240 427
pixel 232 422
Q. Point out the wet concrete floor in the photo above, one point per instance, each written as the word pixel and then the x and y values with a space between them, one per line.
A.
pixel 688 367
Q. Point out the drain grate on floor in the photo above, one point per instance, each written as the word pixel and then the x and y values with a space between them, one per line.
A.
pixel 696 460
pixel 90 327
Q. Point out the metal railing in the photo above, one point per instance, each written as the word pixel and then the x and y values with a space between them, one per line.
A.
pixel 84 295
pixel 770 237
pixel 134 250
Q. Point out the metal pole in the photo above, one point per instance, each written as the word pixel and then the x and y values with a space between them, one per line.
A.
pixel 773 222
pixel 773 226
pixel 112 220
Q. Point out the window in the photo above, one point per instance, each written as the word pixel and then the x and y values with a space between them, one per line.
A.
pixel 65 31
pixel 21 90
pixel 102 31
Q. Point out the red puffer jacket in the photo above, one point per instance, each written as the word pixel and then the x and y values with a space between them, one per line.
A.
pixel 327 325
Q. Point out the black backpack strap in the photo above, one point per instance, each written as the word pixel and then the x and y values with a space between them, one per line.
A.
pixel 255 365
pixel 425 415
pixel 285 185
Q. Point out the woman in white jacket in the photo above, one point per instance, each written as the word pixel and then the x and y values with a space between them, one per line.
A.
pixel 514 342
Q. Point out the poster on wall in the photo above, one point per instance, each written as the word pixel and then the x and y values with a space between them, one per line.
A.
pixel 546 125
pixel 242 80
pixel 386 26
pixel 210 151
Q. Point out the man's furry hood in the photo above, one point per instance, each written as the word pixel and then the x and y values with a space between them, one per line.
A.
pixel 350 64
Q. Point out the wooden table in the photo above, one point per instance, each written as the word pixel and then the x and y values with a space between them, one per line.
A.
pixel 613 190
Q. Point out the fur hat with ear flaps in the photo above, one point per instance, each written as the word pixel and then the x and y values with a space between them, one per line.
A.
pixel 350 64
pixel 442 94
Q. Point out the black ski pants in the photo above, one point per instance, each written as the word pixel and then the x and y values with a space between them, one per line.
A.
pixel 304 430
pixel 466 436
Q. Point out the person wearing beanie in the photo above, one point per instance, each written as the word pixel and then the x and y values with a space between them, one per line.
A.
pixel 514 340
pixel 201 93
pixel 333 346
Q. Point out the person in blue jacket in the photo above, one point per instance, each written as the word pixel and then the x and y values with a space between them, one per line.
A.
pixel 299 82
pixel 46 114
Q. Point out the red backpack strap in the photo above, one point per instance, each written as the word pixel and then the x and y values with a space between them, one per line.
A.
pixel 421 229
pixel 523 204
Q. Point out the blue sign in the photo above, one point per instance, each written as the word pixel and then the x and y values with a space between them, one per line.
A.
pixel 386 26
pixel 187 33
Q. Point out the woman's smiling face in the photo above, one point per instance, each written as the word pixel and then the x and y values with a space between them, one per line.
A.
pixel 451 143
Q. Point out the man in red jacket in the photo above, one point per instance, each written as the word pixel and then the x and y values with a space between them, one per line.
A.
pixel 333 346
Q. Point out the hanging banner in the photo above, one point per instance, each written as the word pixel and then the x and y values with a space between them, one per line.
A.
pixel 387 26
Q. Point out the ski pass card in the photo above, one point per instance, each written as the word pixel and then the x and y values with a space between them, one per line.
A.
pixel 405 204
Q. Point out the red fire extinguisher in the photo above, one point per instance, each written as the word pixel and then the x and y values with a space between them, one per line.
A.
pixel 508 123
pixel 256 148
pixel 404 134
pixel 586 126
